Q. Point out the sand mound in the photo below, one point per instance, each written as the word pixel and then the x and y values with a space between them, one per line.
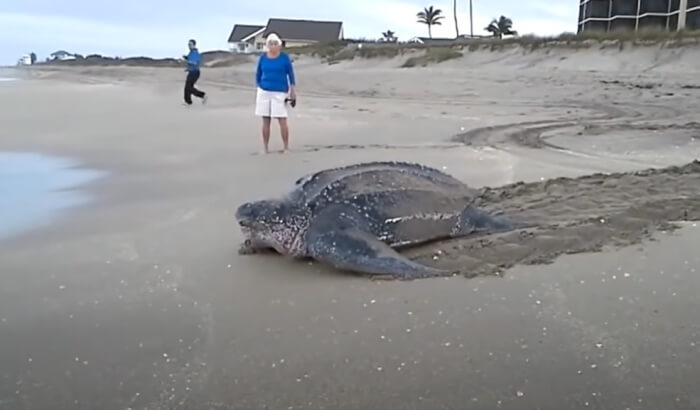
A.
pixel 585 214
pixel 595 57
pixel 611 56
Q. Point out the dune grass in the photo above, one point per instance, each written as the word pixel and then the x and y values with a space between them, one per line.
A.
pixel 432 55
pixel 348 49
pixel 338 52
pixel 593 38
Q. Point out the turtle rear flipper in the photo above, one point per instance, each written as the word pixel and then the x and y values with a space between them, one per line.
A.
pixel 355 250
pixel 473 220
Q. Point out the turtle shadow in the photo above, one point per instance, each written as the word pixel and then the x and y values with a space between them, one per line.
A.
pixel 319 269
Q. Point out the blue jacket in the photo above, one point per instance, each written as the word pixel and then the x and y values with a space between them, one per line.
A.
pixel 193 60
pixel 275 74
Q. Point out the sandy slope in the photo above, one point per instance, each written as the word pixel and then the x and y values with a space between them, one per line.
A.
pixel 140 300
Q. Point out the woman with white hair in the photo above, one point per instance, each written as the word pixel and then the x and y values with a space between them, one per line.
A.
pixel 275 80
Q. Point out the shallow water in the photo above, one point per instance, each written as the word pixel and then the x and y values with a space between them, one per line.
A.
pixel 34 188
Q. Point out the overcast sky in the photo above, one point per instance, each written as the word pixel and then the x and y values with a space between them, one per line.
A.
pixel 161 28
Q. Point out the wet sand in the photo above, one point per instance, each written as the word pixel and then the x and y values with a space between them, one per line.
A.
pixel 140 300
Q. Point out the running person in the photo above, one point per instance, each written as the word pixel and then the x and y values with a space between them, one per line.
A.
pixel 193 62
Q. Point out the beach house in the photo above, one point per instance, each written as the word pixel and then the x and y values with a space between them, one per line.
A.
pixel 633 15
pixel 62 55
pixel 25 60
pixel 247 38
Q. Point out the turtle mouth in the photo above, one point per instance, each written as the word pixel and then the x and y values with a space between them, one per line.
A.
pixel 248 224
pixel 248 233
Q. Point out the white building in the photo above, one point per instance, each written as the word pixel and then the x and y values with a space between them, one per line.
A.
pixel 293 32
pixel 246 38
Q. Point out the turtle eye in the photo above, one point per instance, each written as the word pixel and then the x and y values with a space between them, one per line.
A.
pixel 246 209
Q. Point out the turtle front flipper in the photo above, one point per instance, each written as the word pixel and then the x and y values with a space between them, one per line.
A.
pixel 356 250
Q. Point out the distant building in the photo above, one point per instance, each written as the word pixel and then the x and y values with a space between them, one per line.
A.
pixel 294 33
pixel 297 33
pixel 25 60
pixel 61 55
pixel 447 41
pixel 246 38
pixel 632 15
pixel 433 41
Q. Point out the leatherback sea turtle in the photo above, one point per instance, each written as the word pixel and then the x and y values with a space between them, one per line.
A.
pixel 356 217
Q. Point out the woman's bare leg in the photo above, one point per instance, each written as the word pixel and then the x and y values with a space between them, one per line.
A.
pixel 266 133
pixel 284 130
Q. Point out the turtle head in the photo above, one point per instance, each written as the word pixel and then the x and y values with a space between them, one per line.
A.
pixel 276 224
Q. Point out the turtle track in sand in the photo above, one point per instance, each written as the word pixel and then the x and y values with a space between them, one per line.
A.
pixel 590 213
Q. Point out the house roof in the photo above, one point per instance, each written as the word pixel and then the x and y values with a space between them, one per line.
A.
pixel 309 30
pixel 241 31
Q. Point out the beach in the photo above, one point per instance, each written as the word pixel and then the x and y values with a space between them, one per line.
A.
pixel 138 298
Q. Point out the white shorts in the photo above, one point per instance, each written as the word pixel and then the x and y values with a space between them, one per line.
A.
pixel 270 104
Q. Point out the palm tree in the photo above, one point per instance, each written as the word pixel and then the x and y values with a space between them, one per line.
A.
pixel 454 8
pixel 501 27
pixel 389 36
pixel 430 17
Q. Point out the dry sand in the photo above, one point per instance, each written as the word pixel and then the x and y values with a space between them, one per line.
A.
pixel 139 299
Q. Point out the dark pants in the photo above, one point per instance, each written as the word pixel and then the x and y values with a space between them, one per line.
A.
pixel 192 78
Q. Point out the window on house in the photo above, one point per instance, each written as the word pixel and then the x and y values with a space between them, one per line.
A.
pixel 259 46
pixel 241 46
pixel 693 19
pixel 624 8
pixel 598 9
pixel 654 6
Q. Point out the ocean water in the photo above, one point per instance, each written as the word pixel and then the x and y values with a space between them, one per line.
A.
pixel 35 189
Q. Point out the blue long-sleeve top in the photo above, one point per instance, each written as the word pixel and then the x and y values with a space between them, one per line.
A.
pixel 193 60
pixel 275 74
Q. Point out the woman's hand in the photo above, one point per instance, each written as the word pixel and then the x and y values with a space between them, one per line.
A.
pixel 292 94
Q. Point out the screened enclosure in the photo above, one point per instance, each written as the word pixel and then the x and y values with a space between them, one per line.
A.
pixel 616 15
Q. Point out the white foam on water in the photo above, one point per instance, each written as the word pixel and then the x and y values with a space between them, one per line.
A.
pixel 6 79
